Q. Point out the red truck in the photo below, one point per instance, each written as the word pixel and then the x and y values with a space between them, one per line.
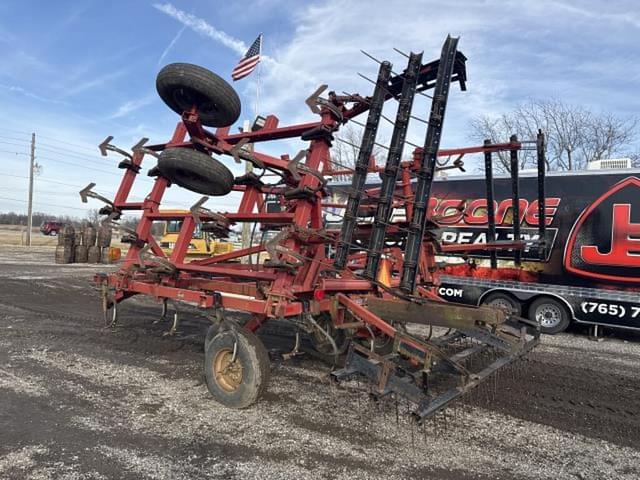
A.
pixel 51 227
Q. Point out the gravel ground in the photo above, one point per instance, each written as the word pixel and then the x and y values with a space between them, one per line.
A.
pixel 81 402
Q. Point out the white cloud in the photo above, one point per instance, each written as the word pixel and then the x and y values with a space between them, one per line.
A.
pixel 132 105
pixel 202 27
pixel 95 82
pixel 172 44
pixel 27 93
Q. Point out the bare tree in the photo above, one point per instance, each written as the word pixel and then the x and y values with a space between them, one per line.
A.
pixel 607 136
pixel 93 217
pixel 346 148
pixel 574 134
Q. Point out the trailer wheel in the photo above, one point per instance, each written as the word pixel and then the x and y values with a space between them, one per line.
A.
pixel 236 367
pixel 195 171
pixel 552 315
pixel 503 301
pixel 183 86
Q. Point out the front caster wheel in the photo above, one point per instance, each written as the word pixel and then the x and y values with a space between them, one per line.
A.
pixel 236 368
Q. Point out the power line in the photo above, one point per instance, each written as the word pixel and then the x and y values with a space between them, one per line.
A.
pixel 15 153
pixel 50 138
pixel 48 204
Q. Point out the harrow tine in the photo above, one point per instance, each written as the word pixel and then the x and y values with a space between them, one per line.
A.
pixel 106 146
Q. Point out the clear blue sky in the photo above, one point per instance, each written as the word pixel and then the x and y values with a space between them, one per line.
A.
pixel 77 71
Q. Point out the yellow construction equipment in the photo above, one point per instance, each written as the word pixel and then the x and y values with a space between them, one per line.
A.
pixel 202 244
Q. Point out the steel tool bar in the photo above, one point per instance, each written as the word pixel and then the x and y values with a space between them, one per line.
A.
pixel 428 158
pixel 362 165
pixel 491 210
pixel 515 200
pixel 542 220
pixel 390 173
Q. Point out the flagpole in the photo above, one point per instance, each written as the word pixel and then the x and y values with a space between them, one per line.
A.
pixel 248 166
pixel 257 106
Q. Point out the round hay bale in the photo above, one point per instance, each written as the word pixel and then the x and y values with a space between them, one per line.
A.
pixel 104 236
pixel 89 236
pixel 81 254
pixel 93 254
pixel 64 254
pixel 67 236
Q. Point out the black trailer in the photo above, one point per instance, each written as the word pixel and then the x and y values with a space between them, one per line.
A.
pixel 586 269
pixel 589 271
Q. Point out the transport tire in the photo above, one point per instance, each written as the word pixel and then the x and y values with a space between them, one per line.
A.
pixel 93 254
pixel 552 315
pixel 195 171
pixel 89 238
pixel 103 239
pixel 503 301
pixel 183 86
pixel 52 233
pixel 81 253
pixel 212 331
pixel 64 254
pixel 238 383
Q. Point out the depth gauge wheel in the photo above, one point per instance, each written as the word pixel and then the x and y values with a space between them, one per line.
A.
pixel 195 171
pixel 236 368
pixel 183 86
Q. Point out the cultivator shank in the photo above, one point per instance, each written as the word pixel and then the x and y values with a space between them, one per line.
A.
pixel 361 289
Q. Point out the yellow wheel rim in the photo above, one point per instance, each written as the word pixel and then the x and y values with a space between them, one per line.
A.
pixel 228 374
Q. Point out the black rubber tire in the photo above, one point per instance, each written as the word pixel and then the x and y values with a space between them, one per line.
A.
pixel 212 331
pixel 183 86
pixel 64 254
pixel 81 254
pixel 195 171
pixel 498 299
pixel 256 369
pixel 93 254
pixel 553 308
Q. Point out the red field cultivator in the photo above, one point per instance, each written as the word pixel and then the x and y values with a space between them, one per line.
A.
pixel 354 289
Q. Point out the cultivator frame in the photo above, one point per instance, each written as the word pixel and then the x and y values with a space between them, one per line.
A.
pixel 322 280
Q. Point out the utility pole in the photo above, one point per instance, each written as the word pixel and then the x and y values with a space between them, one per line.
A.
pixel 30 205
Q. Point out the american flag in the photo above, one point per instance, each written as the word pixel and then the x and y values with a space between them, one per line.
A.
pixel 250 61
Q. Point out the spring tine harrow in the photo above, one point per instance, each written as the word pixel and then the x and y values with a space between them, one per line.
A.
pixel 362 165
pixel 390 174
pixel 428 166
pixel 351 289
